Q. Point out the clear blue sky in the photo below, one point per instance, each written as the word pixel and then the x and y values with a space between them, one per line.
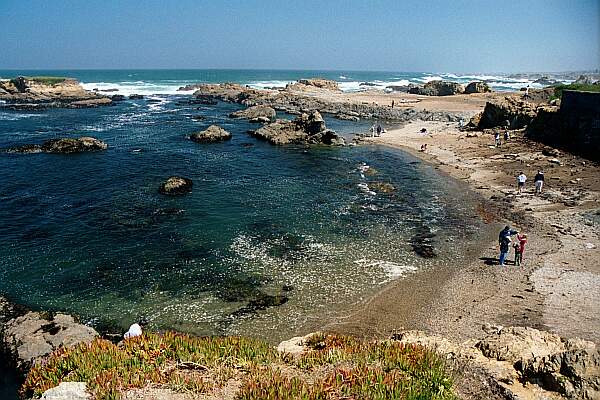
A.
pixel 392 35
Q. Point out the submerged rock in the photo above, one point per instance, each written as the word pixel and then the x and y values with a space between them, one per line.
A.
pixel 382 187
pixel 176 185
pixel 136 97
pixel 68 145
pixel 213 133
pixel 256 114
pixel 62 146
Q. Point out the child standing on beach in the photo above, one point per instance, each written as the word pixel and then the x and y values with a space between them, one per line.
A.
pixel 520 248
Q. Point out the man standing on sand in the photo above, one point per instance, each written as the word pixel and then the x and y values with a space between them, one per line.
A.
pixel 526 96
pixel 504 242
pixel 497 139
pixel 392 103
pixel 521 179
pixel 539 181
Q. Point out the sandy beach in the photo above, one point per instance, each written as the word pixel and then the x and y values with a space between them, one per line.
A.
pixel 557 286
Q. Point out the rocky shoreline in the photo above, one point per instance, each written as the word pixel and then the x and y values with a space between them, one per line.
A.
pixel 33 93
pixel 501 363
pixel 303 98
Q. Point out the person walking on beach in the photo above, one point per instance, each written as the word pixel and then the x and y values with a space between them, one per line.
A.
pixel 539 181
pixel 497 139
pixel 506 135
pixel 392 103
pixel 504 242
pixel 519 247
pixel 526 95
pixel 521 179
pixel 379 129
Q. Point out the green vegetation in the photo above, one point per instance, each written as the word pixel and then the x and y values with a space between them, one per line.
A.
pixel 46 80
pixel 574 86
pixel 334 367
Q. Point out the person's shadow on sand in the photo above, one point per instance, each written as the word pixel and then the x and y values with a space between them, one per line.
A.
pixel 494 261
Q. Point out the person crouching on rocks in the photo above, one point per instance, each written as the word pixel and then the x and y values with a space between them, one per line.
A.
pixel 519 247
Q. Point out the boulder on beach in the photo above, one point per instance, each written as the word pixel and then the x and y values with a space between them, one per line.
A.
pixel 477 87
pixel 306 128
pixel 176 185
pixel 213 133
pixel 441 88
pixel 319 83
pixel 136 96
pixel 258 113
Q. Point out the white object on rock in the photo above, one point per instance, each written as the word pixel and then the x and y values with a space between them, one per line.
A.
pixel 134 330
pixel 67 391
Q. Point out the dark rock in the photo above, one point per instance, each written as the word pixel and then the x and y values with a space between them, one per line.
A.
pixel 213 133
pixel 477 87
pixel 306 128
pixel 176 185
pixel 68 145
pixel 439 88
pixel 136 97
pixel 198 117
pixel 546 81
pixel 117 97
pixel 256 114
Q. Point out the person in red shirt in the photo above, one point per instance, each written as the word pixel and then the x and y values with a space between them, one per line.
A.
pixel 520 248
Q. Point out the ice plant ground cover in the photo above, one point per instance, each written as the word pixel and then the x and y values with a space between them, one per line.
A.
pixel 333 367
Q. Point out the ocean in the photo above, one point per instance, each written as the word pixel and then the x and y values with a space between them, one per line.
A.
pixel 148 82
pixel 273 241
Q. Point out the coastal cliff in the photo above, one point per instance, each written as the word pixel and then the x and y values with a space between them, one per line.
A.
pixel 42 92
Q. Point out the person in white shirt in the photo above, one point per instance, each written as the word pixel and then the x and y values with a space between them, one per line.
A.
pixel 521 179
pixel 134 330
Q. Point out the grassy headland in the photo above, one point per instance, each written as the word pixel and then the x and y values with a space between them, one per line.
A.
pixel 333 367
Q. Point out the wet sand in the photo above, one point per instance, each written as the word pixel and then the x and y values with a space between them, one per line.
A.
pixel 557 288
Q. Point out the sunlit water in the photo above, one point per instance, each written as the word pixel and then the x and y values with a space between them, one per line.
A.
pixel 272 240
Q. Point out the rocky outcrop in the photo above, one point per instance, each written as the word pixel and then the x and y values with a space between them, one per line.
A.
pixel 508 363
pixel 496 113
pixel 546 81
pixel 256 114
pixel 297 103
pixel 63 146
pixel 213 133
pixel 574 126
pixel 310 84
pixel 176 185
pixel 39 92
pixel 477 87
pixel 438 88
pixel 28 336
pixel 524 362
pixel 306 128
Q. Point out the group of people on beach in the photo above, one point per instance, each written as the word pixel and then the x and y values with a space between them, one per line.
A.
pixel 505 241
pixel 377 130
pixel 538 180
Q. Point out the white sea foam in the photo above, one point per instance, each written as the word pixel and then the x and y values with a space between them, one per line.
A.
pixel 268 84
pixel 390 269
pixel 16 117
pixel 127 88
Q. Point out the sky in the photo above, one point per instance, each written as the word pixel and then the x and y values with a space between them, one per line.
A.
pixel 387 35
